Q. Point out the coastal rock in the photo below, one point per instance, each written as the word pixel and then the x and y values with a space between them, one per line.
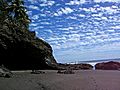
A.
pixel 111 65
pixel 68 71
pixel 21 49
pixel 81 66
pixel 4 72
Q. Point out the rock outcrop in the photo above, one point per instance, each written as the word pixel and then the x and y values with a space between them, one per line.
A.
pixel 4 72
pixel 111 65
pixel 21 49
pixel 81 66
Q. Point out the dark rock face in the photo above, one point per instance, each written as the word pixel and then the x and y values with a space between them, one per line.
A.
pixel 21 49
pixel 108 66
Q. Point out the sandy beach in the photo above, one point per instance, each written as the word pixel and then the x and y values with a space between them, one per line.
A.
pixel 51 80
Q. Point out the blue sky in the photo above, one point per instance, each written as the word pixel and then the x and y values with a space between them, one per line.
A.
pixel 77 30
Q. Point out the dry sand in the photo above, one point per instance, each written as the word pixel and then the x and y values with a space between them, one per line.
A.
pixel 51 80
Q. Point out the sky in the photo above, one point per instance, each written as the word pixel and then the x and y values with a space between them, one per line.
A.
pixel 77 30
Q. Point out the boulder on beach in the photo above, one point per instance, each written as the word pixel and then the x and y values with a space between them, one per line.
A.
pixel 37 72
pixel 67 71
pixel 4 72
pixel 111 65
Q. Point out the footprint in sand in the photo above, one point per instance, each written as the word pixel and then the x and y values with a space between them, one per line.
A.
pixel 94 83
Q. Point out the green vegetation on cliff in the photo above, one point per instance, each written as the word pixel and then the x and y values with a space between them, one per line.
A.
pixel 13 13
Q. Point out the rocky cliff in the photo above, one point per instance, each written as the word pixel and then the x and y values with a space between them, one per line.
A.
pixel 111 65
pixel 21 49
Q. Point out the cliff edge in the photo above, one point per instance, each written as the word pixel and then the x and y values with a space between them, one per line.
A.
pixel 21 49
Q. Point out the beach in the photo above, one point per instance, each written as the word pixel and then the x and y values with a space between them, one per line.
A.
pixel 51 80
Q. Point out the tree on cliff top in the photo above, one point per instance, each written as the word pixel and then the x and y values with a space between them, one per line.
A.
pixel 13 13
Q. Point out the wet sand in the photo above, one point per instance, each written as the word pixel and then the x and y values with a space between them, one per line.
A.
pixel 51 80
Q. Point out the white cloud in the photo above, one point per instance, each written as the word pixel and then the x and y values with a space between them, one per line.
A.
pixel 82 1
pixel 56 14
pixel 47 3
pixel 50 3
pixel 37 33
pixel 74 31
pixel 97 18
pixel 35 17
pixel 111 30
pixel 93 9
pixel 107 10
pixel 85 9
pixel 97 15
pixel 32 1
pixel 56 38
pixel 68 45
pixel 97 1
pixel 37 28
pixel 104 18
pixel 56 46
pixel 115 34
pixel 81 15
pixel 45 23
pixel 68 10
pixel 107 47
pixel 62 11
pixel 107 1
pixel 114 39
pixel 43 15
pixel 41 26
pixel 33 24
pixel 29 13
pixel 50 31
pixel 59 13
pixel 110 10
pixel 97 6
pixel 74 37
pixel 76 2
pixel 64 29
pixel 115 27
pixel 89 34
pixel 43 0
pixel 71 17
pixel 114 7
pixel 33 7
pixel 43 4
pixel 71 28
pixel 84 43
